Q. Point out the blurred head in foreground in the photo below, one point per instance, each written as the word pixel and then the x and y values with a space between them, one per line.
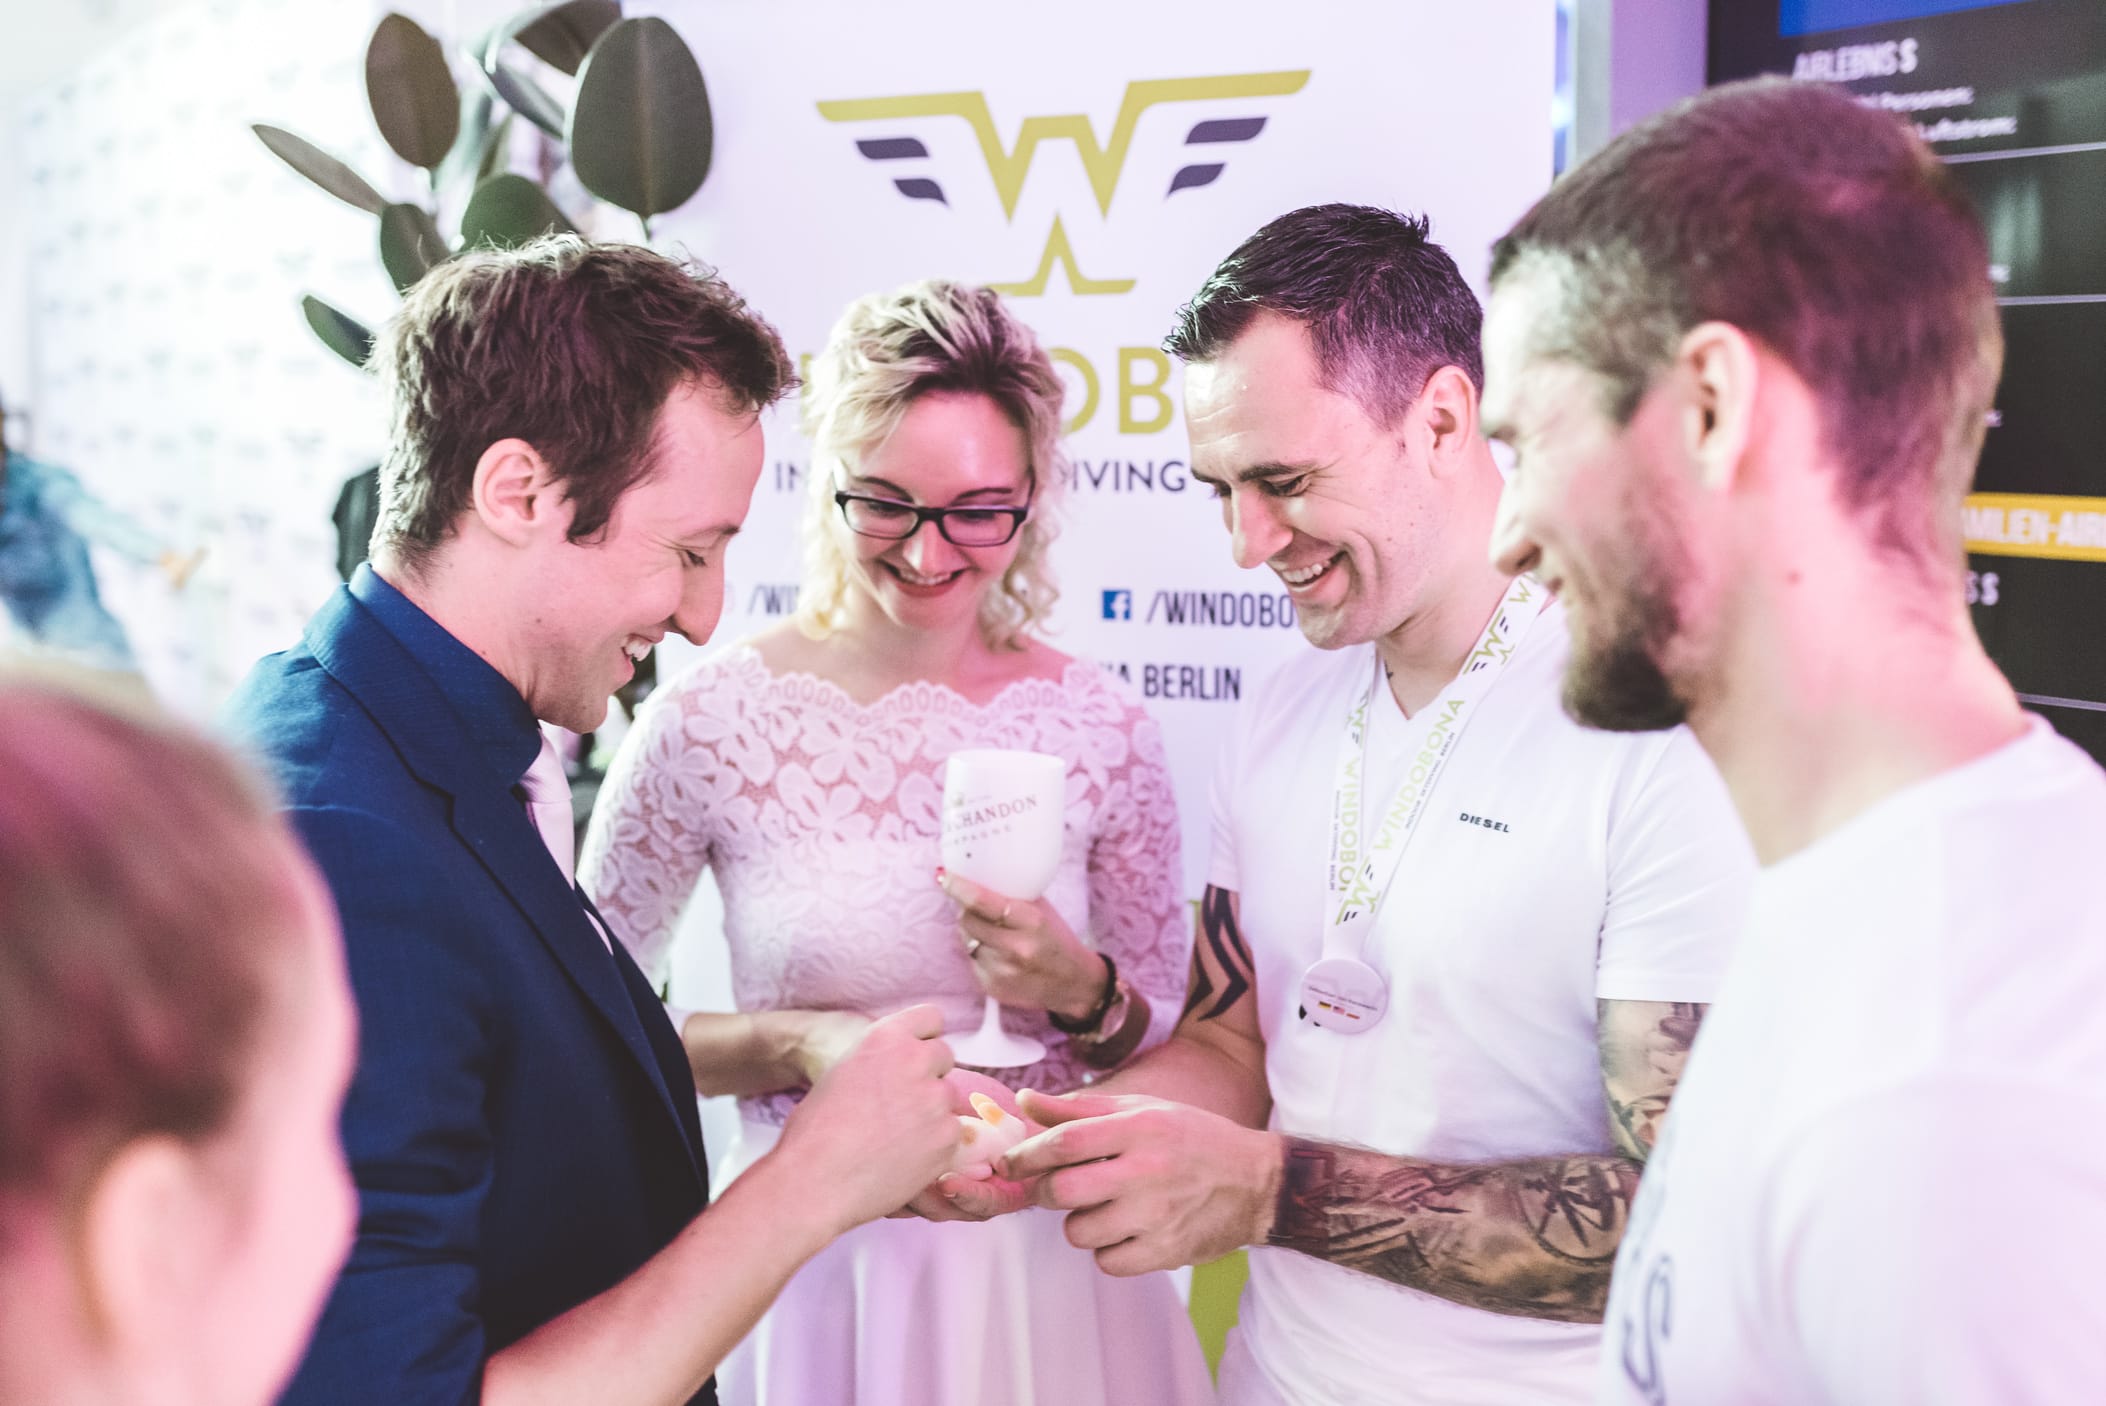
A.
pixel 1753 335
pixel 175 1038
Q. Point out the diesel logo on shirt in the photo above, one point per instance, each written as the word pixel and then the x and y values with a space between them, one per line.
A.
pixel 1486 822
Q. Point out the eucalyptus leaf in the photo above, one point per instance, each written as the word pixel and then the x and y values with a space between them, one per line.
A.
pixel 640 130
pixel 507 211
pixel 410 244
pixel 340 332
pixel 561 35
pixel 526 97
pixel 415 100
pixel 320 167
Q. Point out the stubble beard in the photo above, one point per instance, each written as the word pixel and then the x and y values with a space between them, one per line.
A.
pixel 1617 684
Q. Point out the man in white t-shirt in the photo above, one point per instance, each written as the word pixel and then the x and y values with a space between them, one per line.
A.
pixel 1434 1138
pixel 1745 357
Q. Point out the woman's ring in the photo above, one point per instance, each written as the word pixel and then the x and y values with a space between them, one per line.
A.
pixel 1006 906
pixel 972 948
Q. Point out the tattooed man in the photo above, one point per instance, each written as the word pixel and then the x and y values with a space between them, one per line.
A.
pixel 1746 356
pixel 1454 947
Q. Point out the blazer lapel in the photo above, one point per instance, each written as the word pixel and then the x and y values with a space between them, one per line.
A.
pixel 666 1043
pixel 424 727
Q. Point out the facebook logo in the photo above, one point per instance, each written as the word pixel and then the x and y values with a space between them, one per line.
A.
pixel 1118 605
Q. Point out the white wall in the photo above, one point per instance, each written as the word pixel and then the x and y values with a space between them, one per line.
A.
pixel 40 43
pixel 16 378
pixel 166 252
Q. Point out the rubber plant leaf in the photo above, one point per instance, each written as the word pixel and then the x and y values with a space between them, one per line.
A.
pixel 415 100
pixel 320 167
pixel 340 332
pixel 525 97
pixel 509 210
pixel 464 158
pixel 495 150
pixel 640 130
pixel 410 244
pixel 561 35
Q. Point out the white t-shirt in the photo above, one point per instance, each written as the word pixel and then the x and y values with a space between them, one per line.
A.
pixel 1590 866
pixel 1884 1178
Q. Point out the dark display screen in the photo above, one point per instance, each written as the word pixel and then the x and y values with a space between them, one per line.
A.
pixel 2013 96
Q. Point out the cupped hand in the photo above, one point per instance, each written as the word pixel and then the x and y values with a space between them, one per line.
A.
pixel 1148 1184
pixel 955 1197
pixel 1023 952
pixel 878 1126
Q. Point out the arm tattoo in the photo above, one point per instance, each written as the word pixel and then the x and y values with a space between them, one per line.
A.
pixel 1534 1238
pixel 1644 1045
pixel 1221 941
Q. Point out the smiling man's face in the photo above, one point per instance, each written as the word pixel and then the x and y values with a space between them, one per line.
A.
pixel 1595 510
pixel 656 569
pixel 1338 506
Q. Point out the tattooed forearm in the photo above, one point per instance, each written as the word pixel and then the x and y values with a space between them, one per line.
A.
pixel 1221 964
pixel 1644 1045
pixel 1534 1238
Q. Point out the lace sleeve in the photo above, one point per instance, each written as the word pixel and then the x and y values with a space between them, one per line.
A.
pixel 650 835
pixel 1137 907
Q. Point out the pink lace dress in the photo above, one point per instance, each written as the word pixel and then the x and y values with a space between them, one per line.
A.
pixel 817 816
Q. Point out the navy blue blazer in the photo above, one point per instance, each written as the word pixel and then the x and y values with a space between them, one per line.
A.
pixel 522 1124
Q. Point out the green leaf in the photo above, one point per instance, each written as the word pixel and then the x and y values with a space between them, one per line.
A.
pixel 507 211
pixel 560 35
pixel 526 97
pixel 464 157
pixel 320 167
pixel 640 131
pixel 495 150
pixel 415 100
pixel 410 244
pixel 341 333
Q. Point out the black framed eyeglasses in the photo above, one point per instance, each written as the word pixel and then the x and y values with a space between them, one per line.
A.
pixel 894 521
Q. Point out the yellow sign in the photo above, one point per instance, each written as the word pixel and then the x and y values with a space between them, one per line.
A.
pixel 1103 162
pixel 2035 525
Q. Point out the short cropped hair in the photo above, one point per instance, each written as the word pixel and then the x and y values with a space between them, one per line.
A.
pixel 1824 230
pixel 1385 307
pixel 147 898
pixel 571 346
pixel 887 351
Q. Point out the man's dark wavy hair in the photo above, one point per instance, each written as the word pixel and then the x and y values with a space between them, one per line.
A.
pixel 571 346
pixel 1385 307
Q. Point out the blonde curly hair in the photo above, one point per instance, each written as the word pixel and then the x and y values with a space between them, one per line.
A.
pixel 887 351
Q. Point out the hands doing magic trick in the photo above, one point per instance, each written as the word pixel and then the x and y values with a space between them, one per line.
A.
pixel 1148 1184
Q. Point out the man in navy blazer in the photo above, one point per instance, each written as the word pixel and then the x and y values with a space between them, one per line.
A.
pixel 575 440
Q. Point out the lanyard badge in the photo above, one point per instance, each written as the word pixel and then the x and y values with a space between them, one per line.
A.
pixel 1341 992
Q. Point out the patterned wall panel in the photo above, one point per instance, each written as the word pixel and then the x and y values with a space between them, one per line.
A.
pixel 168 252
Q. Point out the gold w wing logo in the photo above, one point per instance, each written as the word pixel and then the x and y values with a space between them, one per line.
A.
pixel 1102 161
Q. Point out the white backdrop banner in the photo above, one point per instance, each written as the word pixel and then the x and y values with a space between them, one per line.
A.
pixel 1095 161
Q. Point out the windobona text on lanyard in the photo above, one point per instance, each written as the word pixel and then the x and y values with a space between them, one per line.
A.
pixel 1340 991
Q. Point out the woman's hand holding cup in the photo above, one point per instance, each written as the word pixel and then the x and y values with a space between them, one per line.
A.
pixel 1023 952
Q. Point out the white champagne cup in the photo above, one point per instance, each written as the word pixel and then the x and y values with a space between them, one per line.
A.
pixel 1003 814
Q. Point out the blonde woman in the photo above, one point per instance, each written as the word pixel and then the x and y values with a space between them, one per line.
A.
pixel 804 768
